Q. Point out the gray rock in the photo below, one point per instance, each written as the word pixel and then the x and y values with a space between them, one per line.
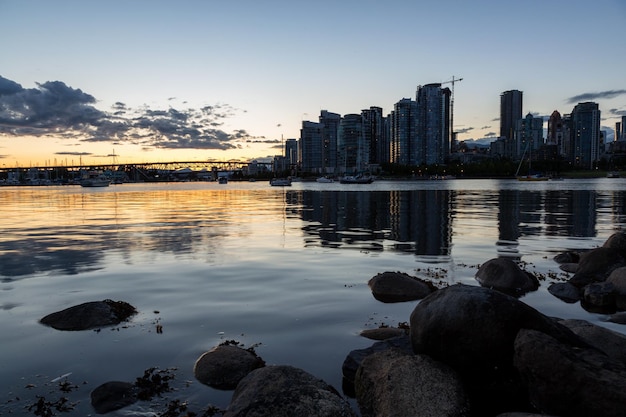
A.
pixel 486 321
pixel 392 383
pixel 599 297
pixel 354 359
pixel 566 381
pixel 90 315
pixel 504 275
pixel 565 291
pixel 596 265
pixel 224 366
pixel 113 395
pixel 285 391
pixel 393 287
pixel 611 343
pixel 618 280
pixel 472 329
pixel 567 258
pixel 617 241
pixel 569 267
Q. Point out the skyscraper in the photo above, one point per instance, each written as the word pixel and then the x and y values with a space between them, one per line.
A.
pixel 510 112
pixel 403 132
pixel 585 131
pixel 433 124
pixel 352 150
pixel 373 135
pixel 330 128
pixel 310 149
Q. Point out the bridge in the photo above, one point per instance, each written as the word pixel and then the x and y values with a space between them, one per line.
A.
pixel 145 171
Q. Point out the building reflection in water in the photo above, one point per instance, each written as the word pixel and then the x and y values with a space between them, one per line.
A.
pixel 416 221
pixel 421 221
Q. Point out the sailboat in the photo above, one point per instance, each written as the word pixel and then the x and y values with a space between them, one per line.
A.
pixel 530 176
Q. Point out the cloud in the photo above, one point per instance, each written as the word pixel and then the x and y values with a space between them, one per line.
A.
pixel 54 109
pixel 595 96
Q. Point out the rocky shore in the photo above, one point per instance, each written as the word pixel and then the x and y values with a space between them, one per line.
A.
pixel 465 351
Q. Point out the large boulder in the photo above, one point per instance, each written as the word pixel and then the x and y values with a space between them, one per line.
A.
pixel 596 265
pixel 611 343
pixel 393 383
pixel 393 287
pixel 567 381
pixel 224 366
pixel 618 280
pixel 285 391
pixel 504 275
pixel 90 315
pixel 473 329
pixel 617 241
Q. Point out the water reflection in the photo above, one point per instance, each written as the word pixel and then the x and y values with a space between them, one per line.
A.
pixel 72 232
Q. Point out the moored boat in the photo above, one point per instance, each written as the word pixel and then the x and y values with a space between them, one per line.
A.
pixel 324 180
pixel 280 182
pixel 357 179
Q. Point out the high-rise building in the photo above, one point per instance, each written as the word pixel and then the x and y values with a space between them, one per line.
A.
pixel 556 133
pixel 310 149
pixel 291 153
pixel 330 129
pixel 510 112
pixel 585 135
pixel 528 136
pixel 433 124
pixel 373 135
pixel 352 156
pixel 403 132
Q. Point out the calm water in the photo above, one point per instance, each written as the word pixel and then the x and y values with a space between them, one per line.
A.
pixel 285 268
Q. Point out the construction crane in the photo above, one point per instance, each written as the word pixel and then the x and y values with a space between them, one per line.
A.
pixel 452 81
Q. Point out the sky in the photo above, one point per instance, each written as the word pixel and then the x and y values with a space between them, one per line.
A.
pixel 157 81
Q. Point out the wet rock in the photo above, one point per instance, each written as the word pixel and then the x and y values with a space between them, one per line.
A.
pixel 224 366
pixel 565 291
pixel 113 395
pixel 284 391
pixel 570 268
pixel 384 333
pixel 617 241
pixel 613 344
pixel 393 287
pixel 392 383
pixel 567 381
pixel 504 275
pixel 473 329
pixel 567 258
pixel 596 266
pixel 599 297
pixel 354 359
pixel 618 280
pixel 523 415
pixel 90 315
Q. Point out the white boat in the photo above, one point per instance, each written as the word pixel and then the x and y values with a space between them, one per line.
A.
pixel 325 180
pixel 280 182
pixel 95 179
pixel 357 179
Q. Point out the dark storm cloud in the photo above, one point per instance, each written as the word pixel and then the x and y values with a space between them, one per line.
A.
pixel 617 112
pixel 595 96
pixel 53 108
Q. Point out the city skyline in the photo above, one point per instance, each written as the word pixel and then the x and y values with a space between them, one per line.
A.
pixel 150 81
